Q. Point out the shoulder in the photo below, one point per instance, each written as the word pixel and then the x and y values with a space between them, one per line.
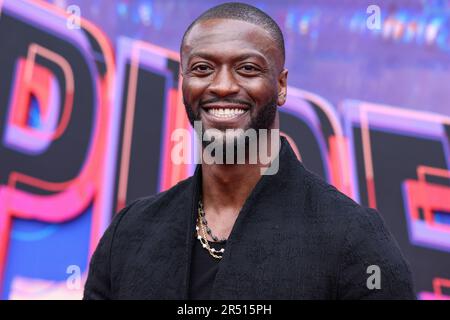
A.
pixel 325 202
pixel 323 199
pixel 352 220
pixel 151 207
pixel 363 242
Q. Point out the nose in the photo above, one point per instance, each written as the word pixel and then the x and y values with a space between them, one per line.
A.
pixel 223 84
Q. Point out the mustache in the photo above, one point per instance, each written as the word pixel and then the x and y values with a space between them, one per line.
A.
pixel 225 100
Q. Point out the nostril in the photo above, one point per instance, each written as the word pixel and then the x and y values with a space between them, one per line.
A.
pixel 224 88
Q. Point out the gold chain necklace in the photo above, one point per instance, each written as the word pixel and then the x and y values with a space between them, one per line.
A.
pixel 203 238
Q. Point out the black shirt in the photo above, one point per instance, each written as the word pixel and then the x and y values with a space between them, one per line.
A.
pixel 203 270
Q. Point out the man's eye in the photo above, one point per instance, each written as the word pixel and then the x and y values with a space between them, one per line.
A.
pixel 249 69
pixel 201 68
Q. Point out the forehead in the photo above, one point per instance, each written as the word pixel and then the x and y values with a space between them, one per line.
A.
pixel 225 36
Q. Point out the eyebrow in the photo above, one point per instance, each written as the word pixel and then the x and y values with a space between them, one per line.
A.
pixel 243 56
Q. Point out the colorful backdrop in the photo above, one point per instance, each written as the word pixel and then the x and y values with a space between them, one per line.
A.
pixel 90 93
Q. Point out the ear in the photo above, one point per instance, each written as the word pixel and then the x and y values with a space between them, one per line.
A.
pixel 282 87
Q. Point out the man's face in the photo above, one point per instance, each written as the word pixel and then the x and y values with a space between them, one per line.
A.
pixel 233 75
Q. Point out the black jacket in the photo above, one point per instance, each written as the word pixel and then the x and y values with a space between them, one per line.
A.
pixel 296 237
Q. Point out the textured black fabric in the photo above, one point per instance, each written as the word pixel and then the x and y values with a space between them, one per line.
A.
pixel 204 268
pixel 296 237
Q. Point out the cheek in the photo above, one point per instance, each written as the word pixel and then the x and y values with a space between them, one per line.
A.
pixel 193 89
pixel 261 91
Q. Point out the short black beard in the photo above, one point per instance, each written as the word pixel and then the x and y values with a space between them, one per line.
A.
pixel 264 119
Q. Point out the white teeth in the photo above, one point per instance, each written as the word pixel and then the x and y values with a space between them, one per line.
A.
pixel 225 112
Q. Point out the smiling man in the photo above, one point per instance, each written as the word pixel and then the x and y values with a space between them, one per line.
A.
pixel 230 231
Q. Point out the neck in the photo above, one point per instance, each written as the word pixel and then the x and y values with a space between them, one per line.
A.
pixel 226 187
